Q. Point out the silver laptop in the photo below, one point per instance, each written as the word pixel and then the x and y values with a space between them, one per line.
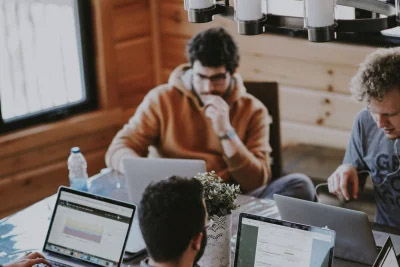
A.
pixel 387 256
pixel 354 238
pixel 87 230
pixel 140 172
pixel 263 241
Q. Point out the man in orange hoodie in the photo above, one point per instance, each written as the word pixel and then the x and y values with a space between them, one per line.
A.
pixel 205 113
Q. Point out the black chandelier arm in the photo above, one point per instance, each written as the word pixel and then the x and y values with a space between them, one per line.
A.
pixel 356 25
pixel 366 25
pixel 225 11
pixel 286 22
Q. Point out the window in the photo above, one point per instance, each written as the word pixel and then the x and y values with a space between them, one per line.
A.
pixel 46 61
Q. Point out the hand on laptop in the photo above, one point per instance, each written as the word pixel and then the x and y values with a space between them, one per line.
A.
pixel 28 260
pixel 344 181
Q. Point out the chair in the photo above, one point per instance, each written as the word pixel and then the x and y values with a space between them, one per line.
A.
pixel 267 93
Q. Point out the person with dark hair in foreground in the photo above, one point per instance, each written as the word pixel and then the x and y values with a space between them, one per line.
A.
pixel 373 150
pixel 28 260
pixel 172 218
pixel 204 112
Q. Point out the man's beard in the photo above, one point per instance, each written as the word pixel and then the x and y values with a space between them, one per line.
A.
pixel 202 247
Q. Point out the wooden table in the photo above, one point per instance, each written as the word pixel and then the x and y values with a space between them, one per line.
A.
pixel 26 230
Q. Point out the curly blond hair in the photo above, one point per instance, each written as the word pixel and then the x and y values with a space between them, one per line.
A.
pixel 377 75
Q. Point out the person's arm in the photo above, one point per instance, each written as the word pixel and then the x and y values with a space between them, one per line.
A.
pixel 248 163
pixel 137 135
pixel 28 260
pixel 345 181
pixel 343 177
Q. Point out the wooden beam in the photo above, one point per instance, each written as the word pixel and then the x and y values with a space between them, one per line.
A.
pixel 104 45
pixel 26 188
pixel 131 21
pixel 318 108
pixel 321 76
pixel 55 151
pixel 156 44
pixel 85 124
pixel 133 57
pixel 295 133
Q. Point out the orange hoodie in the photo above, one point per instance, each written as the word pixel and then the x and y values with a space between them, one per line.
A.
pixel 172 119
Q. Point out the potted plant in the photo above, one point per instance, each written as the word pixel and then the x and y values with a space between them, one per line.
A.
pixel 220 200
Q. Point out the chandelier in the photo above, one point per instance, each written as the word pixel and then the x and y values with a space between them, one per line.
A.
pixel 252 16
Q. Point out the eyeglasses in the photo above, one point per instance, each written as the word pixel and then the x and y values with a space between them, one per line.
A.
pixel 217 79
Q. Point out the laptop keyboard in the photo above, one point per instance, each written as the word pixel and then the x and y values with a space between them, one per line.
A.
pixel 59 264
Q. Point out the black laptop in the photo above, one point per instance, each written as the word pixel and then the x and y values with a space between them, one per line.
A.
pixel 87 230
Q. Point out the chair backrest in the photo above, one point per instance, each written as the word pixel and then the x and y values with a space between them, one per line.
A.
pixel 267 93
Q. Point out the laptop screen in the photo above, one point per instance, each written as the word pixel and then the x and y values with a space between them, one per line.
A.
pixel 268 242
pixel 89 229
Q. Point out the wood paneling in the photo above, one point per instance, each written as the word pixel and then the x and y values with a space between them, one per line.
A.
pixel 54 151
pixel 133 57
pixel 104 45
pixel 175 54
pixel 156 40
pixel 21 141
pixel 20 190
pixel 34 160
pixel 319 76
pixel 131 21
pixel 294 133
pixel 138 44
pixel 141 82
pixel 317 108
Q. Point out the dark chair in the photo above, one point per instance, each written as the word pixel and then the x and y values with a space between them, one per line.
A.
pixel 267 93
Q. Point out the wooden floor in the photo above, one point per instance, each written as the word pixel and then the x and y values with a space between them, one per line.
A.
pixel 319 163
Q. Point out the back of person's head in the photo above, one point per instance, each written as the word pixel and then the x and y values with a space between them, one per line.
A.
pixel 377 75
pixel 214 48
pixel 171 214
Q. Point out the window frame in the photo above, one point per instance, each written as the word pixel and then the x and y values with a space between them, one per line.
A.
pixel 86 30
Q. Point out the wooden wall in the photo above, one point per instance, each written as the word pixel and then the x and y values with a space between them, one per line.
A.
pixel 138 43
pixel 33 161
pixel 314 98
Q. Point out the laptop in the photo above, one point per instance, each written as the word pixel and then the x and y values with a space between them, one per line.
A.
pixel 87 230
pixel 354 238
pixel 263 241
pixel 387 256
pixel 140 172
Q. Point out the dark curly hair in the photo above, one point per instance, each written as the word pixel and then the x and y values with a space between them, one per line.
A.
pixel 213 48
pixel 171 213
pixel 377 75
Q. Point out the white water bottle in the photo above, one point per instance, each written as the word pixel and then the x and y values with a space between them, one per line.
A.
pixel 77 166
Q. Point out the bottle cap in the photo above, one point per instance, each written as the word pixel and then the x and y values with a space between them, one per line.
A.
pixel 75 149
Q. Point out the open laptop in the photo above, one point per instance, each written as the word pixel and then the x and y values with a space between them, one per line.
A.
pixel 354 238
pixel 263 241
pixel 387 256
pixel 140 172
pixel 87 230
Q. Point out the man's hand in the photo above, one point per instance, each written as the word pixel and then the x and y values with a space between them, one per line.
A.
pixel 28 260
pixel 217 110
pixel 339 181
